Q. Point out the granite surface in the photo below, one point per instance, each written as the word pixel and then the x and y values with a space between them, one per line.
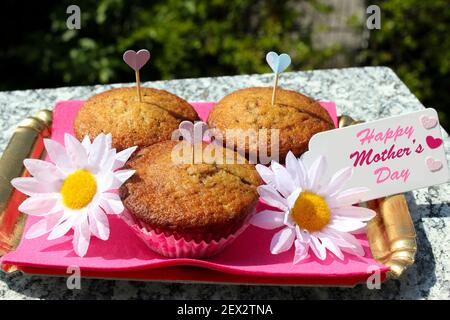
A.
pixel 365 93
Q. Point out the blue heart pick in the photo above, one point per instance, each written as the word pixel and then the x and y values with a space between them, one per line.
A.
pixel 278 63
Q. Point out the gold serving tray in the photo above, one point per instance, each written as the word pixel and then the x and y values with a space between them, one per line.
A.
pixel 391 234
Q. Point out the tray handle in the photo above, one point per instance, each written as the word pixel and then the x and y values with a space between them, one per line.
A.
pixel 26 142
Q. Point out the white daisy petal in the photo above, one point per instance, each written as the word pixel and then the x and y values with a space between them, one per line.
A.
pixel 31 186
pixel 63 226
pixel 120 177
pixel 93 225
pixel 111 203
pixel 329 233
pixel 124 175
pixel 328 244
pixel 346 225
pixel 288 220
pixel 43 170
pixel 99 224
pixel 301 235
pixel 105 181
pixel 347 242
pixel 318 248
pixel 81 237
pixel 38 206
pixel 76 152
pixel 109 140
pixel 272 197
pixel 338 181
pixel 109 160
pixel 268 219
pixel 339 238
pixel 266 174
pixel 302 174
pixel 282 241
pixel 97 152
pixel 283 179
pixel 301 251
pixel 347 197
pixel 123 156
pixel 292 166
pixel 43 226
pixel 58 155
pixel 315 173
pixel 360 213
pixel 293 197
pixel 86 143
pixel 59 207
pixel 355 248
pixel 359 251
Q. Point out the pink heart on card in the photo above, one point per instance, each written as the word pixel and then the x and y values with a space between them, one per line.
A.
pixel 433 165
pixel 136 60
pixel 433 143
pixel 428 122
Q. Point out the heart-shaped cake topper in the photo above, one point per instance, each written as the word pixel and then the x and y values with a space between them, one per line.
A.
pixel 433 165
pixel 191 132
pixel 428 122
pixel 278 63
pixel 432 142
pixel 136 60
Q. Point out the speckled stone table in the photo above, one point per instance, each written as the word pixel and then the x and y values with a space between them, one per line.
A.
pixel 364 93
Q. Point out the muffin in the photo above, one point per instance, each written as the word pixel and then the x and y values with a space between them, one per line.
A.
pixel 186 209
pixel 297 117
pixel 130 122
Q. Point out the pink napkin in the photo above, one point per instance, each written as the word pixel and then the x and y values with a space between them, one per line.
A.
pixel 124 251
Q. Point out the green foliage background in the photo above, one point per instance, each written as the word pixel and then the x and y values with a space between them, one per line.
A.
pixel 414 40
pixel 192 38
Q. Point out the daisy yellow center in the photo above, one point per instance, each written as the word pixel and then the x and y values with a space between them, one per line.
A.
pixel 78 189
pixel 310 211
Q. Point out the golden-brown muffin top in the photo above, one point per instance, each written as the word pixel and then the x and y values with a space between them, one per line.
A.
pixel 196 198
pixel 119 112
pixel 297 116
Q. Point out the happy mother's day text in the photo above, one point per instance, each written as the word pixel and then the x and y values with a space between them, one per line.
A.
pixel 388 138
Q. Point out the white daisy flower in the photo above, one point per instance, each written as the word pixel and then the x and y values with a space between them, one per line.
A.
pixel 314 215
pixel 75 190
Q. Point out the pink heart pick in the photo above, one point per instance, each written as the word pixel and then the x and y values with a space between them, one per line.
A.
pixel 432 142
pixel 428 122
pixel 433 165
pixel 136 60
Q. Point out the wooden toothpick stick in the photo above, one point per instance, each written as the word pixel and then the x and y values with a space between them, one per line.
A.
pixel 275 85
pixel 138 85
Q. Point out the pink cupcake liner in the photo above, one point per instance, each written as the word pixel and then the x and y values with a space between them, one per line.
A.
pixel 176 246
